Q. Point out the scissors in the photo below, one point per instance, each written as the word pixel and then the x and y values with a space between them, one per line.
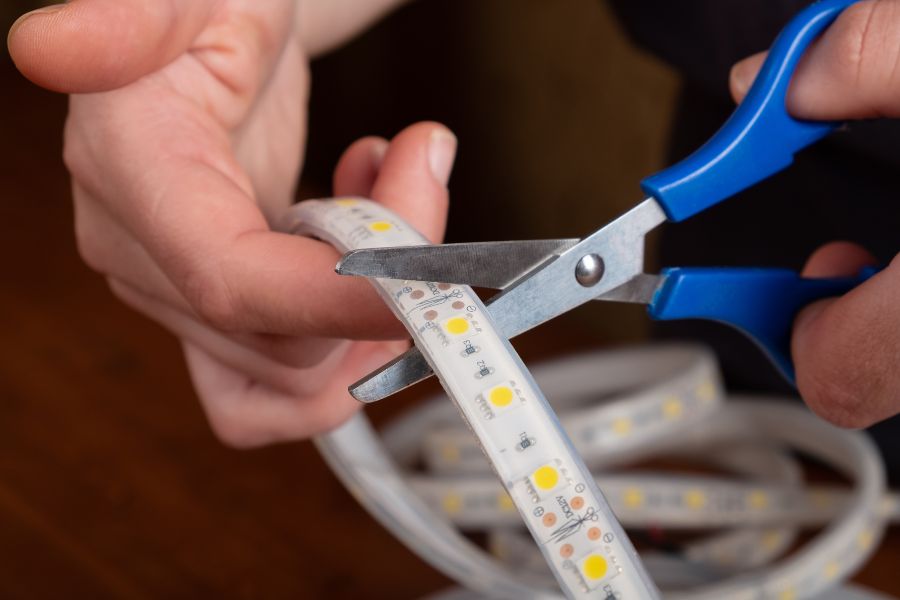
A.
pixel 541 279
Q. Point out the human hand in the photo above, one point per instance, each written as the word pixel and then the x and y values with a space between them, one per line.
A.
pixel 185 140
pixel 846 349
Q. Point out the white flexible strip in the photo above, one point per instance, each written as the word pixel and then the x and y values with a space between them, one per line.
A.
pixel 585 546
pixel 618 408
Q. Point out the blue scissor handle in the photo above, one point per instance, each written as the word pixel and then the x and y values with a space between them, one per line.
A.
pixel 762 303
pixel 760 138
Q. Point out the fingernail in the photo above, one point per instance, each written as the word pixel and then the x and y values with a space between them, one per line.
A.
pixel 397 347
pixel 441 154
pixel 49 9
pixel 378 151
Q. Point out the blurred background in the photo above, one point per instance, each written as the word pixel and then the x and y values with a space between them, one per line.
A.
pixel 111 483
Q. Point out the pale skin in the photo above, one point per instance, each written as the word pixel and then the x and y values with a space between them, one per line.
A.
pixel 185 141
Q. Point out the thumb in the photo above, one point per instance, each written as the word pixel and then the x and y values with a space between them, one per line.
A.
pixel 743 73
pixel 837 259
pixel 845 348
pixel 96 45
pixel 849 73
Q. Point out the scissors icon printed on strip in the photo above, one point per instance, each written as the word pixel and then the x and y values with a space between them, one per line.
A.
pixel 541 279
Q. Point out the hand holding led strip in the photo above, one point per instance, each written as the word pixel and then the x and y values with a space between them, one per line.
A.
pixel 582 541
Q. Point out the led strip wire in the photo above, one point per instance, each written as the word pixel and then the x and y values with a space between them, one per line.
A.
pixel 664 401
pixel 583 543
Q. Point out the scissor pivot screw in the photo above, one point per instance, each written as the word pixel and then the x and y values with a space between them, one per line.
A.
pixel 589 270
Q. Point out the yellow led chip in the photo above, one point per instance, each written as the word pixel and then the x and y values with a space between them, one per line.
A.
pixel 545 478
pixel 500 396
pixel 594 567
pixel 456 325
pixel 758 499
pixel 498 399
pixel 864 539
pixel 695 499
pixel 788 594
pixel 450 453
pixel 622 426
pixel 346 202
pixel 452 504
pixel 771 540
pixel 505 503
pixel 380 226
pixel 672 408
pixel 633 498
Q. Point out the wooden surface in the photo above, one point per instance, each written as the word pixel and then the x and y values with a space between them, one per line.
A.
pixel 111 484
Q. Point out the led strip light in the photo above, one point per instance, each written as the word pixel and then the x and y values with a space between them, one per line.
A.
pixel 582 542
pixel 585 546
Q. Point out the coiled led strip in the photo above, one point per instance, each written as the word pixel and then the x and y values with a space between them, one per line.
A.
pixel 586 548
pixel 661 415
pixel 693 502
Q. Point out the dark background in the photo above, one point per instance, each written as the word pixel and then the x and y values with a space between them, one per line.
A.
pixel 111 484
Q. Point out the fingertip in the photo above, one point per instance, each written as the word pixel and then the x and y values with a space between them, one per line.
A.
pixel 441 154
pixel 838 259
pixel 743 74
pixel 26 39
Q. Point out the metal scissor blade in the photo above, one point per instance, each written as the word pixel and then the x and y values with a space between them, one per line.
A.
pixel 617 254
pixel 624 244
pixel 407 369
pixel 638 290
pixel 480 264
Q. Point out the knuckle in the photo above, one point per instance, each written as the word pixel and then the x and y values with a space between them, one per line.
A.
pixel 73 158
pixel 75 153
pixel 854 22
pixel 869 45
pixel 90 247
pixel 234 433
